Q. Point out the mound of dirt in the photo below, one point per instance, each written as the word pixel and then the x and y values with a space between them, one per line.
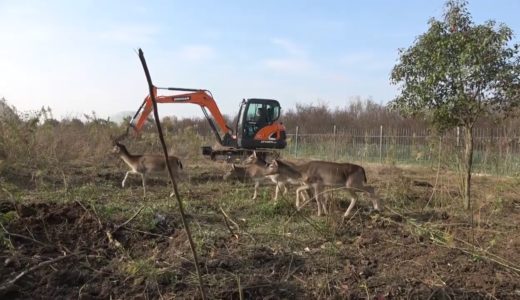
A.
pixel 64 251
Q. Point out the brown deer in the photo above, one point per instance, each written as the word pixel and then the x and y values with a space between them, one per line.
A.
pixel 255 169
pixel 146 164
pixel 320 174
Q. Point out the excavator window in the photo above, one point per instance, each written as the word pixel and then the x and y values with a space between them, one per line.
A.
pixel 262 113
pixel 258 115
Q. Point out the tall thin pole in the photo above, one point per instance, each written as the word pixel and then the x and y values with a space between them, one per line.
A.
pixel 296 142
pixel 381 143
pixel 334 149
pixel 174 182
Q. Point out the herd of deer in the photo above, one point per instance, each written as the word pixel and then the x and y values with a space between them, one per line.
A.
pixel 312 175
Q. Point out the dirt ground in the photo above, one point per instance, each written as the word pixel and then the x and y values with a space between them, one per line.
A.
pixel 69 244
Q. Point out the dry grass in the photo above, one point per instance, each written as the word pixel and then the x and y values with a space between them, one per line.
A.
pixel 66 196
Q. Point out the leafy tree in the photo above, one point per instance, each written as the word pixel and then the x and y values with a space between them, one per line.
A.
pixel 456 73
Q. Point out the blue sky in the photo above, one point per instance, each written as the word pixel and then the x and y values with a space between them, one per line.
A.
pixel 80 56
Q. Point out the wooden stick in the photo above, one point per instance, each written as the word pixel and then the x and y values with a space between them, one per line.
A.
pixel 227 218
pixel 128 221
pixel 8 284
pixel 24 237
pixel 152 91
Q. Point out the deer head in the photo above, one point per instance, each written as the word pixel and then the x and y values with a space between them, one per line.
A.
pixel 116 141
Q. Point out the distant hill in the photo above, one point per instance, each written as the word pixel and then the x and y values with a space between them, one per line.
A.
pixel 120 116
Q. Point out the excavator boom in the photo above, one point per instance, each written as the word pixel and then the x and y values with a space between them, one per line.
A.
pixel 200 97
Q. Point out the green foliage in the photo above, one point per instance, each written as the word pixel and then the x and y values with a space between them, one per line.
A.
pixel 457 71
pixel 6 218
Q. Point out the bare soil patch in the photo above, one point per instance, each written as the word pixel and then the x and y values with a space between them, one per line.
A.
pixel 432 253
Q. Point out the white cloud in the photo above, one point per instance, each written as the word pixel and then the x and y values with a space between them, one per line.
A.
pixel 295 58
pixel 197 53
pixel 289 47
pixel 288 64
pixel 356 58
pixel 366 60
pixel 134 34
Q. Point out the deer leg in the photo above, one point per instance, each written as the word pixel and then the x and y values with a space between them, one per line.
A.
pixel 144 184
pixel 276 190
pixel 124 179
pixel 352 203
pixel 324 202
pixel 285 189
pixel 173 190
pixel 373 197
pixel 317 195
pixel 257 184
pixel 298 191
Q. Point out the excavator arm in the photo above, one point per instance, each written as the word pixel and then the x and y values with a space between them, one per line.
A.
pixel 202 98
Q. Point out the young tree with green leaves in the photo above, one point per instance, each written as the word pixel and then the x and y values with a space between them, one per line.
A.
pixel 456 73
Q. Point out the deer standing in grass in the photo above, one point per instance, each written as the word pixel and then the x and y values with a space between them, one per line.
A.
pixel 255 169
pixel 146 164
pixel 320 174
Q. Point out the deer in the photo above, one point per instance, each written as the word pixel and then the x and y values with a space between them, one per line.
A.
pixel 320 174
pixel 146 164
pixel 255 169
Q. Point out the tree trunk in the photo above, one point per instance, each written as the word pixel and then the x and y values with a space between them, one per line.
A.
pixel 468 163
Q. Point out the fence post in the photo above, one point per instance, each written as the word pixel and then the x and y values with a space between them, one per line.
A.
pixel 334 149
pixel 458 136
pixel 296 143
pixel 381 143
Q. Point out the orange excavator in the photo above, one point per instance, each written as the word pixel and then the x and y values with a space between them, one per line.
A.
pixel 257 127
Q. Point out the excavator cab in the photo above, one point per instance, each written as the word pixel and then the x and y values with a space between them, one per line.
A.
pixel 257 125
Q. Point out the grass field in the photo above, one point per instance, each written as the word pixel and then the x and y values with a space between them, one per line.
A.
pixel 81 235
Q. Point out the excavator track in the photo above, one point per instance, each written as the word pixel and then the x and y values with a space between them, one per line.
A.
pixel 237 155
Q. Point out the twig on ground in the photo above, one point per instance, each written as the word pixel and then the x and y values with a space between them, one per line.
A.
pixel 24 237
pixel 90 213
pixel 8 284
pixel 111 239
pixel 128 221
pixel 227 219
pixel 146 232
pixel 299 279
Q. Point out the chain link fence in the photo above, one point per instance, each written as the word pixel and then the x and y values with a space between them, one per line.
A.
pixel 495 151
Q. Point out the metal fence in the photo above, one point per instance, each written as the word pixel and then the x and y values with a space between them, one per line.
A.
pixel 495 151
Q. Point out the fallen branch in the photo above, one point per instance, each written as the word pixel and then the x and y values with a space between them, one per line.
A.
pixel 128 221
pixel 110 234
pixel 112 240
pixel 24 237
pixel 227 219
pixel 9 284
pixel 146 232
pixel 90 213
